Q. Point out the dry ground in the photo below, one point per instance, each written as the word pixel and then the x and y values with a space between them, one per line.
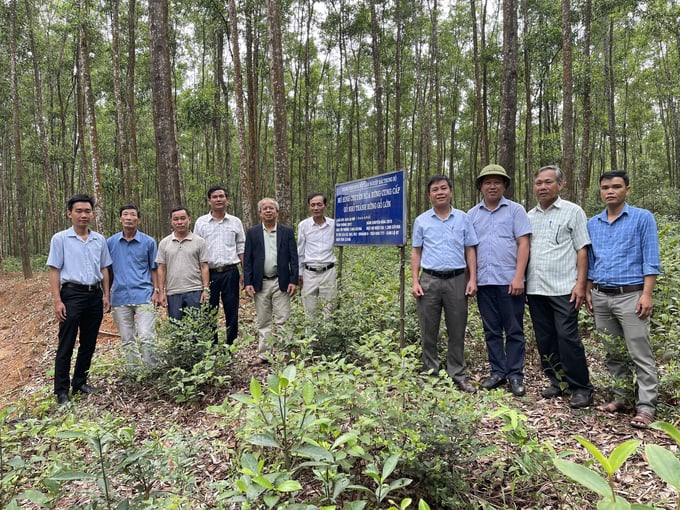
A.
pixel 27 345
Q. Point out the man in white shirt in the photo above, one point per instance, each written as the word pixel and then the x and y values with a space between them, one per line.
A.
pixel 316 237
pixel 226 243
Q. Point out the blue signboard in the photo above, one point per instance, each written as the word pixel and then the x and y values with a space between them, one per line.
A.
pixel 371 211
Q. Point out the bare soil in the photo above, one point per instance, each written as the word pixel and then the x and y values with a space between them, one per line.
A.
pixel 28 336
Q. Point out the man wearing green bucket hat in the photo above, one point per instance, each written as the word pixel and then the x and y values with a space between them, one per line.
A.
pixel 503 230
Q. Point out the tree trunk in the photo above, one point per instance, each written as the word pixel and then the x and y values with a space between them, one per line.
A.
pixel 167 151
pixel 480 105
pixel 399 43
pixel 249 216
pixel 48 170
pixel 567 104
pixel 378 91
pixel 584 172
pixel 252 104
pixel 528 123
pixel 609 87
pixel 22 236
pixel 508 136
pixel 90 117
pixel 283 191
pixel 121 134
pixel 131 114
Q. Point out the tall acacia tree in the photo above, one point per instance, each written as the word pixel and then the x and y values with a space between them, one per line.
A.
pixel 508 131
pixel 167 151
pixel 247 193
pixel 90 117
pixel 584 166
pixel 278 90
pixel 121 132
pixel 567 102
pixel 378 90
pixel 22 237
pixel 48 170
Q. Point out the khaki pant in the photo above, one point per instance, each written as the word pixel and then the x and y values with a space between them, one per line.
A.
pixel 615 317
pixel 318 291
pixel 273 309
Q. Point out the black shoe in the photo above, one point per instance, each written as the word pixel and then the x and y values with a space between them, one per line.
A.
pixel 465 386
pixel 580 400
pixel 493 382
pixel 86 389
pixel 62 399
pixel 517 387
pixel 551 392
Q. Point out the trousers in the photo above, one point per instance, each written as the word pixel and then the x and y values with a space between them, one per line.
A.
pixel 84 314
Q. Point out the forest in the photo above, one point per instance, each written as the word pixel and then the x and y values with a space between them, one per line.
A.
pixel 151 102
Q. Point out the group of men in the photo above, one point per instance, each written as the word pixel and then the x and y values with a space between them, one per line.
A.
pixel 557 260
pixel 551 256
pixel 130 275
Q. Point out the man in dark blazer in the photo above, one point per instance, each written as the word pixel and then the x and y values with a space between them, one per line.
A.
pixel 270 268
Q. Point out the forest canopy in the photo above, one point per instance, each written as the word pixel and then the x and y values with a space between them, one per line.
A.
pixel 152 102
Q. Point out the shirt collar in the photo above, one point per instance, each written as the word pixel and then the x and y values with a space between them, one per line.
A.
pixel 604 217
pixel 556 204
pixel 503 201
pixel 189 237
pixel 434 213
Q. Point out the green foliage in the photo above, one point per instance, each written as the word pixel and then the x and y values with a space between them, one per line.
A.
pixel 188 359
pixel 662 461
pixel 56 456
pixel 13 264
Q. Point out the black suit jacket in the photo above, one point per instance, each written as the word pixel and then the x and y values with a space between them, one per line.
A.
pixel 286 257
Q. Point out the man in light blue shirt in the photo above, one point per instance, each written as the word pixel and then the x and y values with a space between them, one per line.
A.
pixel 624 262
pixel 134 289
pixel 443 246
pixel 79 283
pixel 503 230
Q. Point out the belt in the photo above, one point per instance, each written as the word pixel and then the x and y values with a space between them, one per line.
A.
pixel 444 274
pixel 320 269
pixel 81 287
pixel 270 277
pixel 621 289
pixel 223 269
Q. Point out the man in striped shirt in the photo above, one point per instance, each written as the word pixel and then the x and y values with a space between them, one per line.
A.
pixel 556 287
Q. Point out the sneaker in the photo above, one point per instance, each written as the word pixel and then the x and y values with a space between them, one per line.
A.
pixel 551 392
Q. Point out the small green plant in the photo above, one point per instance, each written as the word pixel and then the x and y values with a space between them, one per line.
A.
pixel 664 463
pixel 188 359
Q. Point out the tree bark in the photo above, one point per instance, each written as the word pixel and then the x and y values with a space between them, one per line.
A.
pixel 584 171
pixel 22 236
pixel 131 113
pixel 167 151
pixel 283 190
pixel 121 135
pixel 508 131
pixel 90 117
pixel 249 216
pixel 567 104
pixel 48 169
pixel 378 91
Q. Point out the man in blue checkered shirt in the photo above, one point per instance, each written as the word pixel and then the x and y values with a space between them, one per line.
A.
pixel 623 264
